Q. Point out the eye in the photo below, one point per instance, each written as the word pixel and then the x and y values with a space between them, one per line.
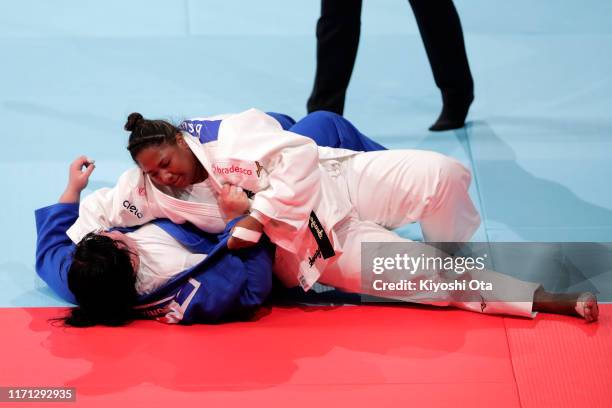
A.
pixel 164 164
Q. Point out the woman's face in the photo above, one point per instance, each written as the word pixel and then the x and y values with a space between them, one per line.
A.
pixel 171 165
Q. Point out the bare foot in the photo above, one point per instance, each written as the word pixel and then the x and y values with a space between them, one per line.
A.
pixel 582 304
pixel 586 306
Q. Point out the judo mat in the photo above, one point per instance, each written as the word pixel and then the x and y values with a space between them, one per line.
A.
pixel 359 356
pixel 538 142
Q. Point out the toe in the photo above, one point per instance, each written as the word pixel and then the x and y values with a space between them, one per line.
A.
pixel 587 307
pixel 595 312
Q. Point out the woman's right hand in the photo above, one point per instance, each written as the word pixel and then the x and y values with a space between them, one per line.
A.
pixel 77 179
pixel 233 201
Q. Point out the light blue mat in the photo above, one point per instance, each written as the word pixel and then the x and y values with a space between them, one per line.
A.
pixel 539 144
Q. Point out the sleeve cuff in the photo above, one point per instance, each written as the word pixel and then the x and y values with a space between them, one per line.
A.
pixel 75 233
pixel 260 217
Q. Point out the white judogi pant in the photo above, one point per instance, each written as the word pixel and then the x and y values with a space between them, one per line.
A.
pixel 388 189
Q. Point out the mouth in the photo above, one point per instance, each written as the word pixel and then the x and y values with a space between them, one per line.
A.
pixel 177 182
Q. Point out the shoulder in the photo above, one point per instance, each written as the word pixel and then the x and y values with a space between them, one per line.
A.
pixel 192 125
pixel 252 121
pixel 131 178
pixel 130 182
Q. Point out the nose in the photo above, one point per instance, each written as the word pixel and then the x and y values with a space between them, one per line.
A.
pixel 164 177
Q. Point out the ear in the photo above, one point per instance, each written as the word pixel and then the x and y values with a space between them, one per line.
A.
pixel 180 141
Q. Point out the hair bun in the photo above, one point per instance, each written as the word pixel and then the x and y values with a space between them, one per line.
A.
pixel 133 120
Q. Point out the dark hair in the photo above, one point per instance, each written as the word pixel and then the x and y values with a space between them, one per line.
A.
pixel 103 282
pixel 146 133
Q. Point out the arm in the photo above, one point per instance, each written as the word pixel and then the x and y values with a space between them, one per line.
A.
pixel 53 247
pixel 256 263
pixel 290 161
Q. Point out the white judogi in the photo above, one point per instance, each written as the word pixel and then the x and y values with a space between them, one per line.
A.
pixel 288 172
pixel 355 197
pixel 388 189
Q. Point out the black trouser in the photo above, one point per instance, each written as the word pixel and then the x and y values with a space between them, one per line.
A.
pixel 338 32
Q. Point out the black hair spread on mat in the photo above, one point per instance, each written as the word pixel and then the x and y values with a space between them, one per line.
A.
pixel 103 282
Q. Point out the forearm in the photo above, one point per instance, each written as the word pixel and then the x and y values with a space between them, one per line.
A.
pixel 70 195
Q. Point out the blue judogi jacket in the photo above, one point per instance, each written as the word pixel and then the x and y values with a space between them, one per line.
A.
pixel 224 286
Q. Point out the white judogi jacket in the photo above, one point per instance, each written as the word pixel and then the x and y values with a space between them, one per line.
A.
pixel 293 181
